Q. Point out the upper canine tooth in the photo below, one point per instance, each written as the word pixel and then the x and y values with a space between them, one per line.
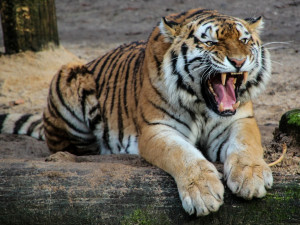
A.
pixel 245 77
pixel 223 78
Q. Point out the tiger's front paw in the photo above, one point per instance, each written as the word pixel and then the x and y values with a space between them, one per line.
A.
pixel 247 176
pixel 200 188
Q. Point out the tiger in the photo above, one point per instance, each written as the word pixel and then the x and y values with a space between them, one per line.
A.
pixel 181 100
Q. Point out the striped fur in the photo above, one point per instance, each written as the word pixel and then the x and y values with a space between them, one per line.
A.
pixel 153 98
pixel 28 124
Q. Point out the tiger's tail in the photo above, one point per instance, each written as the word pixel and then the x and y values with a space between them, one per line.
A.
pixel 18 123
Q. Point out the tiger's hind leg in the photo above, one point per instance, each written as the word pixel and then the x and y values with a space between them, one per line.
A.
pixel 71 112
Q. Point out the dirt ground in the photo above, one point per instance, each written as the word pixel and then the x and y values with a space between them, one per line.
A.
pixel 88 29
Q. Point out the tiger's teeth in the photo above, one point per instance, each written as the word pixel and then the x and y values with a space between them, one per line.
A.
pixel 236 105
pixel 211 89
pixel 223 78
pixel 221 107
pixel 245 77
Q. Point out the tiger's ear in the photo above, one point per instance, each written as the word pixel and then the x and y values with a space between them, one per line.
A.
pixel 256 24
pixel 168 29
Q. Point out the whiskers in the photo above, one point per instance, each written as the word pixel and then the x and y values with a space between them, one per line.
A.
pixel 281 45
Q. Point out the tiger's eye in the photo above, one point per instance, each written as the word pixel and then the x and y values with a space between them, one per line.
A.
pixel 244 40
pixel 209 43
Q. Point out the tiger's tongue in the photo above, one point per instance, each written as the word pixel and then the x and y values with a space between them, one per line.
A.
pixel 225 94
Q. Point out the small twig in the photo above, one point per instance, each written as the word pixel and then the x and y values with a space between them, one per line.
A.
pixel 284 148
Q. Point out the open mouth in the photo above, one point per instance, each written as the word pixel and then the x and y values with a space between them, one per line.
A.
pixel 221 92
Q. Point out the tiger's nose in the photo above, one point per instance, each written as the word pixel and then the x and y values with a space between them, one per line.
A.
pixel 237 62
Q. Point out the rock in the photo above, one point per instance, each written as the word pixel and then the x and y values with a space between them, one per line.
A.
pixel 290 124
pixel 121 189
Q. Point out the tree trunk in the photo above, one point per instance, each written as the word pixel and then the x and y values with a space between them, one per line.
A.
pixel 28 25
pixel 121 189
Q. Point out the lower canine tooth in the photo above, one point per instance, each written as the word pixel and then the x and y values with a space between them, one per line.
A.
pixel 221 107
pixel 236 105
pixel 245 77
pixel 223 78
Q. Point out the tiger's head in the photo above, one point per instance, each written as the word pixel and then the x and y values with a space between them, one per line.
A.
pixel 214 59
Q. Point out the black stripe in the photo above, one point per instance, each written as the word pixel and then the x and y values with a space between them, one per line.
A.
pixel 196 40
pixel 206 19
pixel 184 49
pixel 158 124
pixel 32 126
pixel 169 114
pixel 20 122
pixel 128 144
pixel 59 132
pixel 89 64
pixel 198 47
pixel 106 135
pixel 224 132
pixel 2 119
pixel 71 125
pixel 63 134
pixel 207 28
pixel 117 54
pixel 180 15
pixel 131 57
pixel 115 59
pixel 75 71
pixel 157 92
pixel 191 113
pixel 92 67
pixel 85 93
pixel 191 34
pixel 52 111
pixel 180 83
pixel 72 75
pixel 123 66
pixel 158 64
pixel 113 68
pixel 120 120
pixel 213 128
pixel 115 86
pixel 174 58
pixel 60 97
pixel 93 122
pixel 135 72
pixel 201 59
pixel 220 148
pixel 41 133
pixel 93 109
pixel 197 12
pixel 260 74
pixel 156 37
pixel 141 63
pixel 109 55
